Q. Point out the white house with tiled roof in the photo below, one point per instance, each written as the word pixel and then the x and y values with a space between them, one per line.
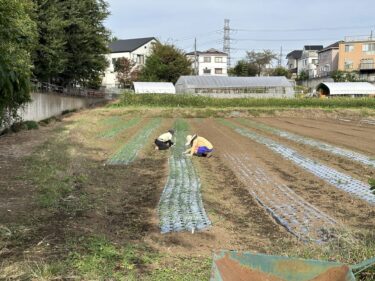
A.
pixel 210 62
pixel 136 50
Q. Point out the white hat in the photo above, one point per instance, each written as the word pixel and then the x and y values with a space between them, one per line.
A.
pixel 189 138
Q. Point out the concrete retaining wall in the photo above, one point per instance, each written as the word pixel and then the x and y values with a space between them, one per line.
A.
pixel 313 83
pixel 47 105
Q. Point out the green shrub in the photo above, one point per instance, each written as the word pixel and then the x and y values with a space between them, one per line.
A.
pixel 31 125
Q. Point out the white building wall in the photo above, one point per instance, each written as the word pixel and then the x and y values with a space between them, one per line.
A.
pixel 109 79
pixel 211 66
pixel 308 63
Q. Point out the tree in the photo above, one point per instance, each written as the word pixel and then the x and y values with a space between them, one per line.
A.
pixel 126 73
pixel 50 58
pixel 344 76
pixel 281 71
pixel 72 43
pixel 166 63
pixel 244 68
pixel 303 76
pixel 17 40
pixel 261 59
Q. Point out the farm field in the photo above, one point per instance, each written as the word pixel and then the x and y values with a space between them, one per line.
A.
pixel 88 198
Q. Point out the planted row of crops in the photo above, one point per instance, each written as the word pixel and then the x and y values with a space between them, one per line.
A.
pixel 346 153
pixel 180 206
pixel 129 151
pixel 286 207
pixel 119 126
pixel 330 175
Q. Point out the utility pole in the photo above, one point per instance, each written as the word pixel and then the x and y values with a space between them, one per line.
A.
pixel 196 67
pixel 280 61
pixel 226 47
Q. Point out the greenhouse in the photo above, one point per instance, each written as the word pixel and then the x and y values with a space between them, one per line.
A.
pixel 351 89
pixel 229 87
pixel 153 88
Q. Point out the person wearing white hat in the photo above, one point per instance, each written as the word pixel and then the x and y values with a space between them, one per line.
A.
pixel 199 146
pixel 164 141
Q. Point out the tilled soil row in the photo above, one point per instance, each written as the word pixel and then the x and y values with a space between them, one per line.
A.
pixel 350 211
pixel 323 146
pixel 290 210
pixel 336 178
pixel 329 131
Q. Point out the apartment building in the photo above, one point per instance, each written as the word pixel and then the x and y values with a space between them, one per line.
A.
pixel 358 54
pixel 210 62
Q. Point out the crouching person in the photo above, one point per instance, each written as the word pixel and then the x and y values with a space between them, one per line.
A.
pixel 199 146
pixel 164 141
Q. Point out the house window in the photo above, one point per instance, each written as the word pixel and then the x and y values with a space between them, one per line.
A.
pixel 349 48
pixel 368 48
pixel 348 64
pixel 114 62
pixel 314 61
pixel 367 64
pixel 218 71
pixel 140 59
pixel 206 59
pixel 218 59
pixel 206 71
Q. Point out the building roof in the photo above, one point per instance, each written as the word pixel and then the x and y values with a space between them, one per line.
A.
pixel 332 46
pixel 208 52
pixel 348 88
pixel 313 47
pixel 154 88
pixel 128 45
pixel 296 54
pixel 232 82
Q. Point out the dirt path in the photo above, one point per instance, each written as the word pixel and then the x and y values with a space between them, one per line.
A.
pixel 329 131
pixel 16 196
pixel 287 208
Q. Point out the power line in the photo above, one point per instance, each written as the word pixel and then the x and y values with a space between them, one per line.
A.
pixel 303 29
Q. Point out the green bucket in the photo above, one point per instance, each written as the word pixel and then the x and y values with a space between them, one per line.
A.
pixel 231 265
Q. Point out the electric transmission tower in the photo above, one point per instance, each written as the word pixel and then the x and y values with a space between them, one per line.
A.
pixel 226 47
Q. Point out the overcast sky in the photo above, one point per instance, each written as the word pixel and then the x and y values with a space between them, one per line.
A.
pixel 256 24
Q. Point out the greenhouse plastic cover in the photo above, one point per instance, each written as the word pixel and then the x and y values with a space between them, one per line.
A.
pixel 154 88
pixel 349 88
pixel 232 82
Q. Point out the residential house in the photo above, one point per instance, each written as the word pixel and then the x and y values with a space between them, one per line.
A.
pixel 358 54
pixel 137 50
pixel 309 60
pixel 328 60
pixel 210 62
pixel 293 58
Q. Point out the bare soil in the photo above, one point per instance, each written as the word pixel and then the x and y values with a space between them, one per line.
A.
pixel 357 170
pixel 120 202
pixel 357 138
pixel 338 204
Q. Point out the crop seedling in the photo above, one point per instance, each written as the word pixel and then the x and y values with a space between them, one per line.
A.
pixel 180 206
pixel 129 151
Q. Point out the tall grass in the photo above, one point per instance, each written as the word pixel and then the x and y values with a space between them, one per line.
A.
pixel 159 100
